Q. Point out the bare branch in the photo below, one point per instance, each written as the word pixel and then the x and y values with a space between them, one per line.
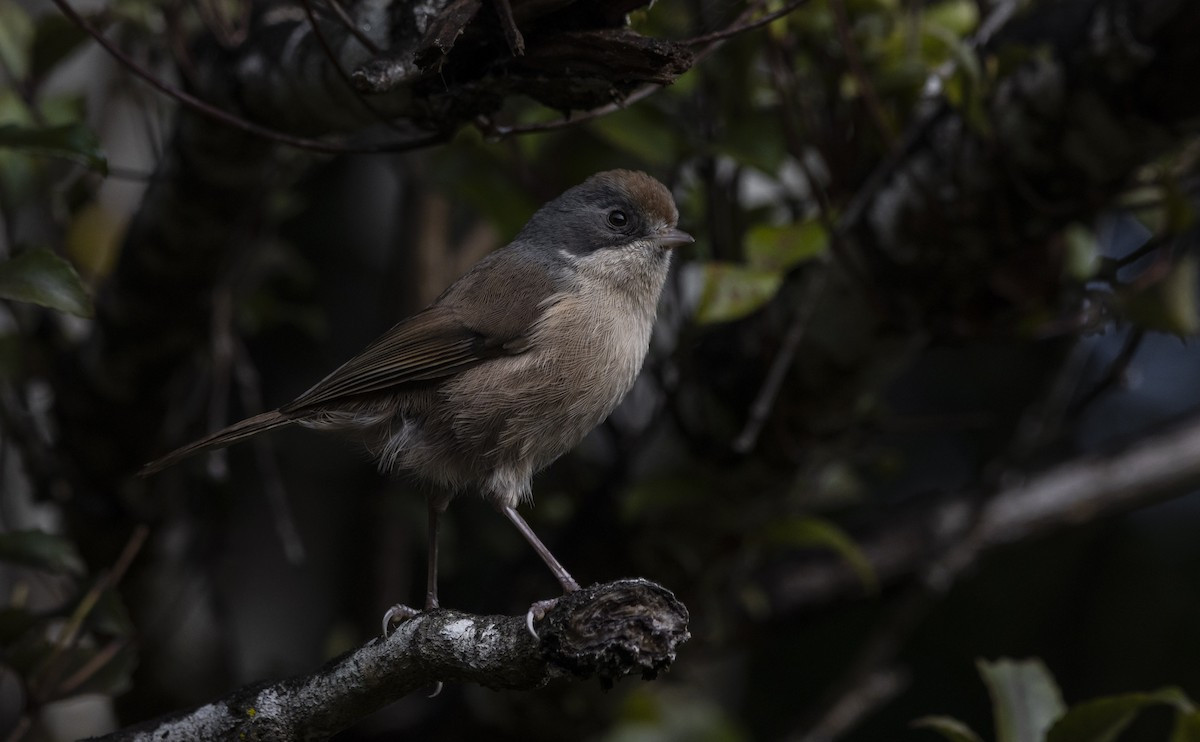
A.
pixel 606 631
pixel 1077 492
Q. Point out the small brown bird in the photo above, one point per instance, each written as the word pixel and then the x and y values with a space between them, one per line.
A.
pixel 512 365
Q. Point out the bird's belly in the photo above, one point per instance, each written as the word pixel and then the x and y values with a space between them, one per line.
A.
pixel 539 406
pixel 493 426
pixel 523 412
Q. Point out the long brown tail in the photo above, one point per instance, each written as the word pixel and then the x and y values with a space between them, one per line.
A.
pixel 239 431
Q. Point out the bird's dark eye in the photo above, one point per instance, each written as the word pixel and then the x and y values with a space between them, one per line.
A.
pixel 617 218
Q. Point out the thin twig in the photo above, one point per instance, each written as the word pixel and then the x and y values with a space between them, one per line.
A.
pixel 1154 243
pixel 1042 422
pixel 225 117
pixel 740 26
pixel 859 70
pixel 783 79
pixel 1115 374
pixel 222 352
pixel 769 392
pixel 915 132
pixel 884 641
pixel 353 28
pixel 92 666
pixel 512 34
pixel 497 132
pixel 761 409
pixel 39 682
pixel 713 41
pixel 268 466
pixel 851 710
pixel 331 55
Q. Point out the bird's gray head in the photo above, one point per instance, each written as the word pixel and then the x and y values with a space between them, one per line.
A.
pixel 612 210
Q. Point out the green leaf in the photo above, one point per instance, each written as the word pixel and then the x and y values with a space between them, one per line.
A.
pixel 811 532
pixel 1103 719
pixel 1187 727
pixel 41 277
pixel 69 141
pixel 55 39
pixel 16 35
pixel 781 248
pixel 1170 305
pixel 729 291
pixel 1082 252
pixel 1025 699
pixel 1161 207
pixel 41 550
pixel 950 728
pixel 960 17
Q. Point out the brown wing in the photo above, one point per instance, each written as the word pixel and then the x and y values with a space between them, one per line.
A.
pixel 430 345
pixel 485 314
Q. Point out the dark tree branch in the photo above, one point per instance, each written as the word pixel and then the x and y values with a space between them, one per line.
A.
pixel 1077 492
pixel 609 631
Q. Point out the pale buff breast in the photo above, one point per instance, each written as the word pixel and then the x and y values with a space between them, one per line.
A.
pixel 536 406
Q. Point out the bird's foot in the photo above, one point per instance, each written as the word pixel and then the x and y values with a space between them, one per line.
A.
pixel 537 612
pixel 398 613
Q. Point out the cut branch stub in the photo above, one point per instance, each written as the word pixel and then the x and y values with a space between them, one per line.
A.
pixel 443 32
pixel 613 630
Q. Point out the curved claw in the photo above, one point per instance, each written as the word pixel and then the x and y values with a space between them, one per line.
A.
pixel 399 613
pixel 537 612
pixel 529 625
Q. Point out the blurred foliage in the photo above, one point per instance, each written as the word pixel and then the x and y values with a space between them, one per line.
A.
pixel 1025 699
pixel 1028 707
pixel 1167 304
pixel 41 550
pixel 72 141
pixel 766 144
pixel 807 531
pixel 84 645
pixel 41 277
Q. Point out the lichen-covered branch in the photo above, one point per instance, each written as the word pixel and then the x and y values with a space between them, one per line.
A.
pixel 609 631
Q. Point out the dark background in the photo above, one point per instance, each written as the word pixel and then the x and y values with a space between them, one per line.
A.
pixel 912 388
